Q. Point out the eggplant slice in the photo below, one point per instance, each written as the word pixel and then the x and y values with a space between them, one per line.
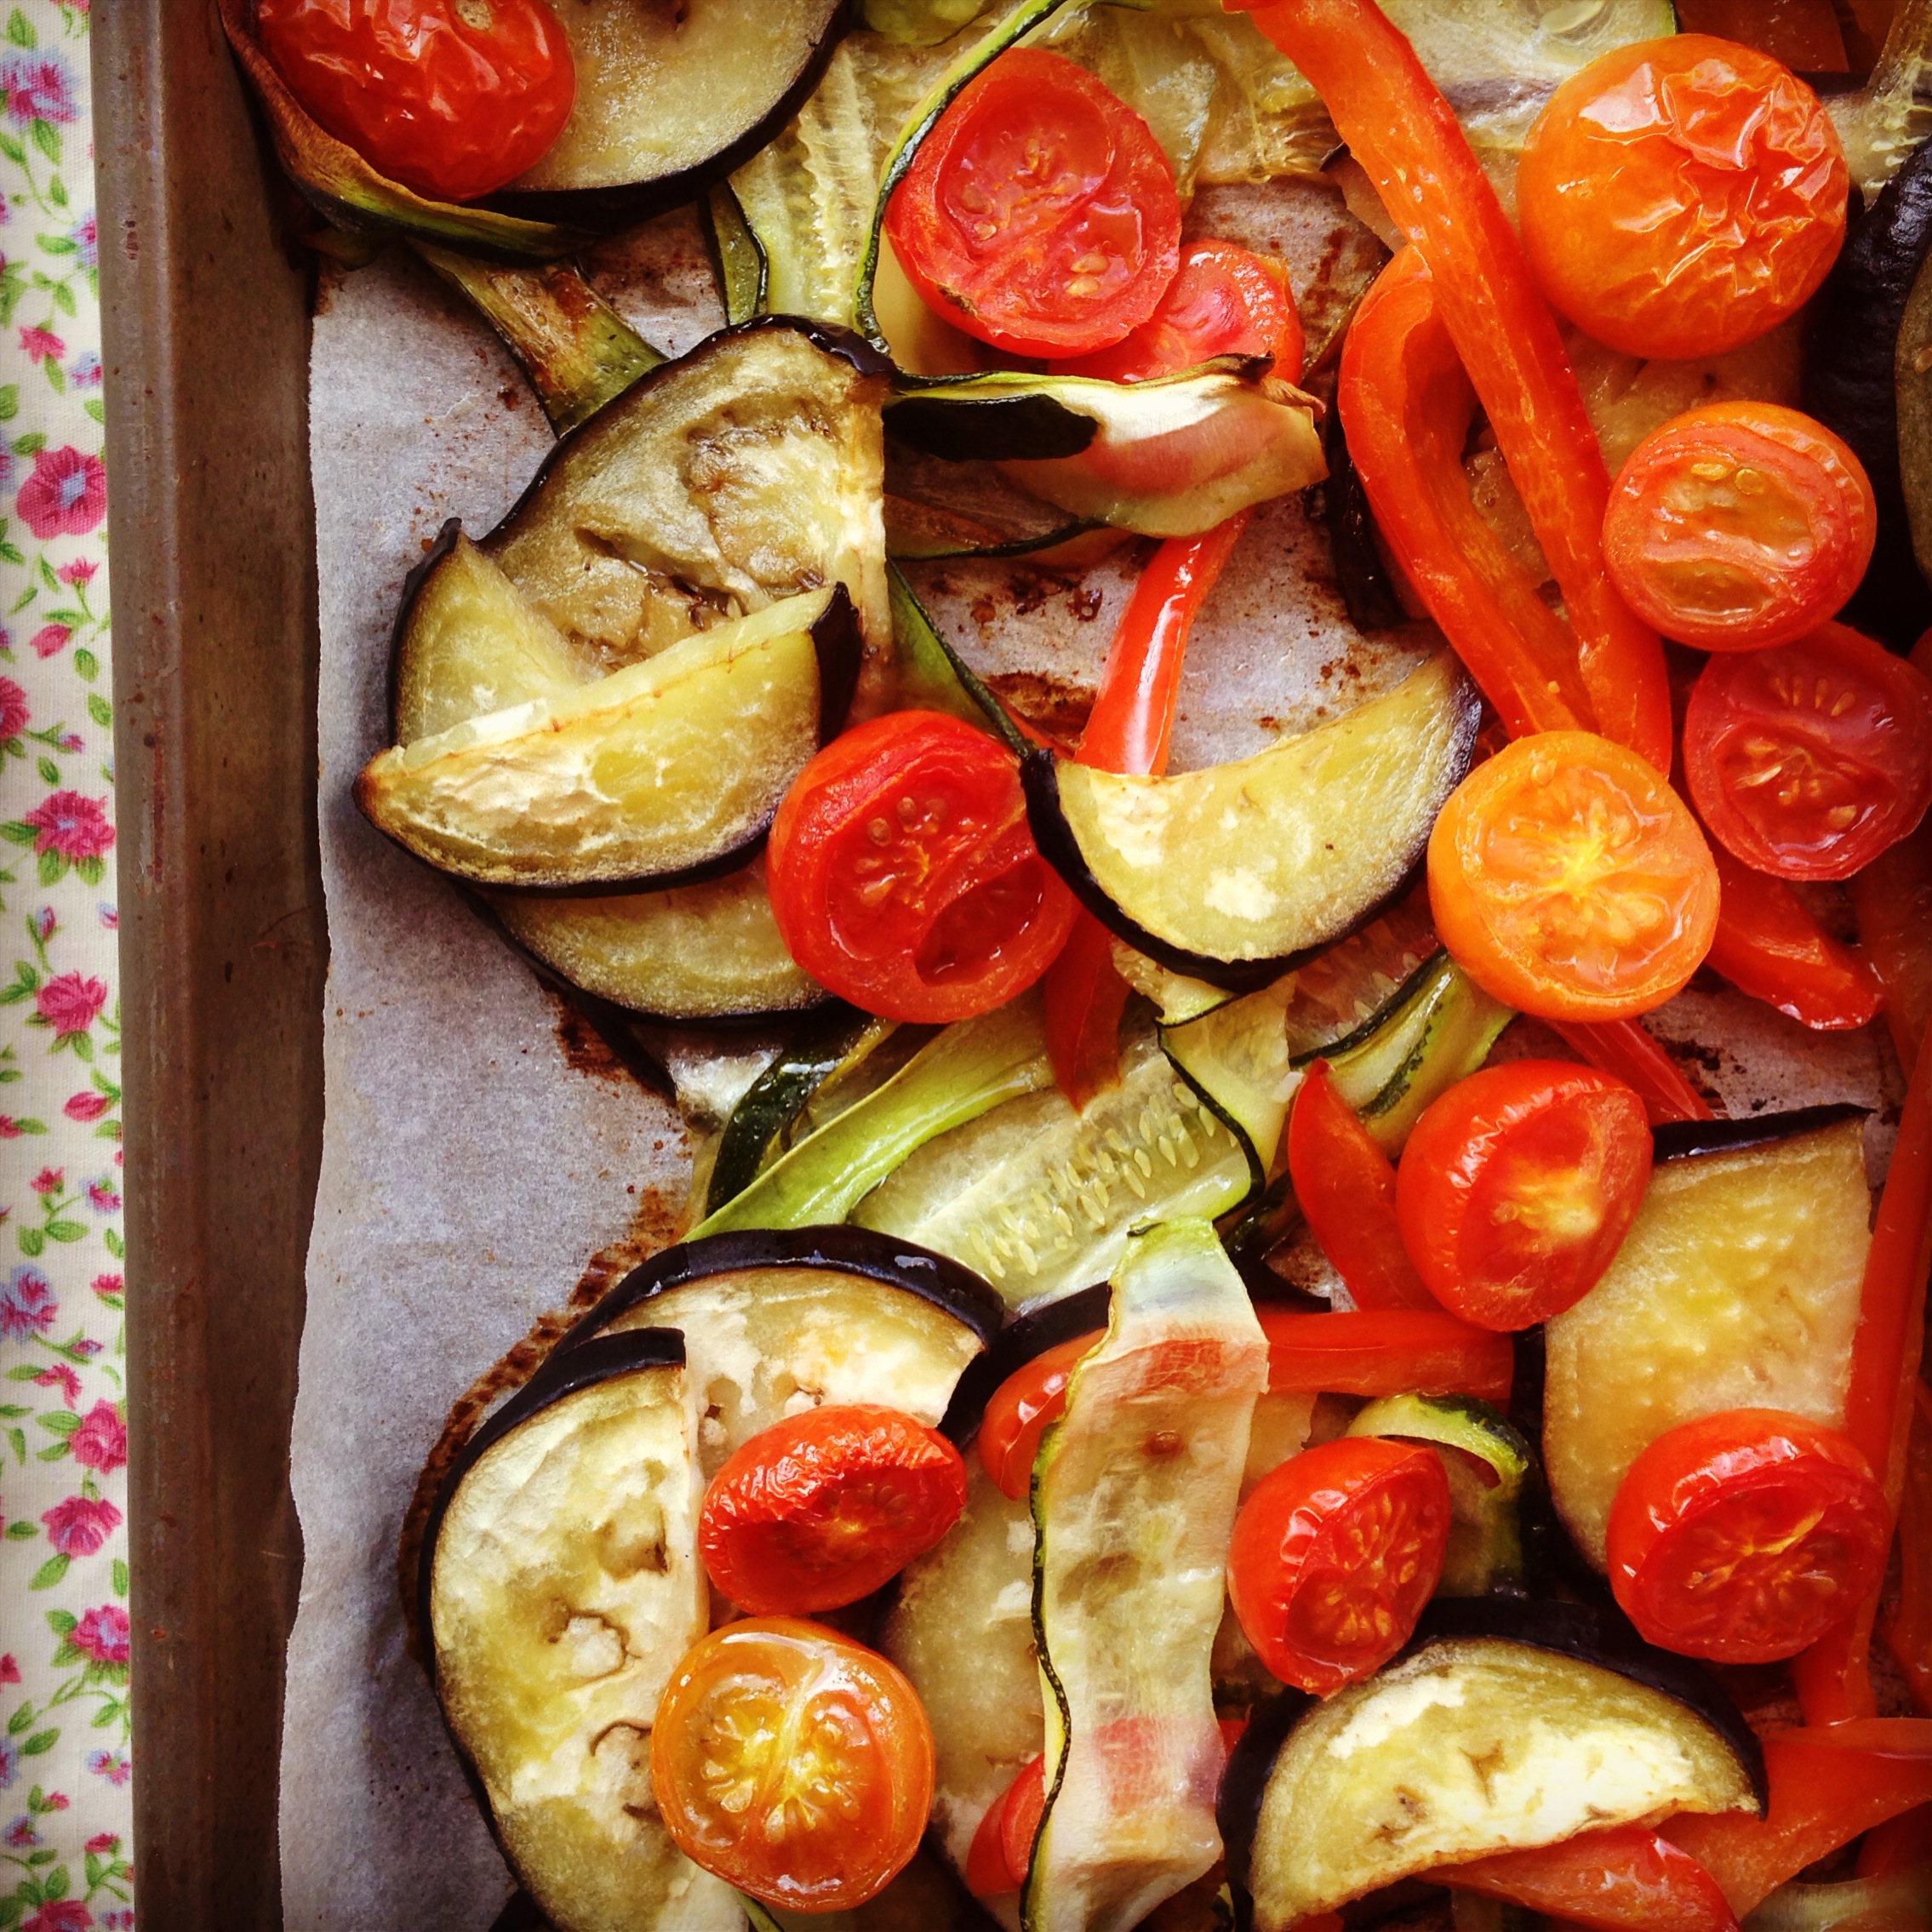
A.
pixel 1237 873
pixel 561 1586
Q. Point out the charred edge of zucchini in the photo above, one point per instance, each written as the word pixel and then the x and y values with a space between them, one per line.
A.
pixel 737 257
pixel 1368 594
pixel 1039 775
pixel 446 539
pixel 949 1287
pixel 1084 1312
pixel 1607 1640
pixel 610 210
pixel 1244 1784
pixel 1011 429
pixel 1681 1139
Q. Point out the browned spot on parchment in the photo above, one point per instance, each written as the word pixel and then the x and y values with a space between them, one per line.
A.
pixel 585 1049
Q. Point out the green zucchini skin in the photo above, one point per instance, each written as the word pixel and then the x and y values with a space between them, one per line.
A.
pixel 1683 1140
pixel 1016 1345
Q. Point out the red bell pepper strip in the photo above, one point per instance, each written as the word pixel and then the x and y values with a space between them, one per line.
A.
pixel 1903 1844
pixel 1398 126
pixel 1385 1351
pixel 1833 1677
pixel 1628 1051
pixel 1827 1786
pixel 1629 1877
pixel 1406 405
pixel 1128 730
pixel 1907 1630
pixel 1345 1186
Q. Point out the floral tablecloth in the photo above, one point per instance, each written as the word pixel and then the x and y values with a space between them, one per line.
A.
pixel 64 1763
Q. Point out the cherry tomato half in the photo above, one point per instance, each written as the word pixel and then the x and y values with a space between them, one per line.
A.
pixel 1002 1846
pixel 903 876
pixel 1334 1556
pixel 1739 525
pixel 1807 761
pixel 1225 300
pixel 792 1763
pixel 822 1508
pixel 1040 214
pixel 452 98
pixel 1022 1408
pixel 1517 1186
pixel 1743 1537
pixel 1680 196
pixel 1569 881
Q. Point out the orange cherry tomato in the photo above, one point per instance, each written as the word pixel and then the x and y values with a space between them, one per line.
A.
pixel 1739 525
pixel 1022 1408
pixel 794 1764
pixel 1569 881
pixel 1225 300
pixel 1040 214
pixel 903 876
pixel 1517 1186
pixel 452 100
pixel 1808 760
pixel 1680 196
pixel 822 1508
pixel 1745 1536
pixel 1334 1556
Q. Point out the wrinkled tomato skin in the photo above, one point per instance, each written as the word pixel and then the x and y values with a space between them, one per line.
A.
pixel 452 100
pixel 1569 881
pixel 1334 1556
pixel 1225 300
pixel 1808 760
pixel 794 1764
pixel 1679 198
pixel 1740 526
pixel 824 1507
pixel 1742 1537
pixel 1039 214
pixel 1021 1410
pixel 1518 1188
pixel 904 877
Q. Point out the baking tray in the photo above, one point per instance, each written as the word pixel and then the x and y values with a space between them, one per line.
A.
pixel 223 943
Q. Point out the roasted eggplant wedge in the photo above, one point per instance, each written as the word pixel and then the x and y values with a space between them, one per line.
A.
pixel 1738 1287
pixel 1468 1744
pixel 562 1585
pixel 1235 874
pixel 661 772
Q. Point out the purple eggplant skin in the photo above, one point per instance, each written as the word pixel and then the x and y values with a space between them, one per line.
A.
pixel 1848 383
pixel 1016 1345
pixel 1682 1140
pixel 1244 1782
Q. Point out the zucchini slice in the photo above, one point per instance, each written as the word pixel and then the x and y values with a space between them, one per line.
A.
pixel 1738 1286
pixel 563 1585
pixel 1040 1199
pixel 665 770
pixel 1469 1743
pixel 1133 1500
pixel 1237 873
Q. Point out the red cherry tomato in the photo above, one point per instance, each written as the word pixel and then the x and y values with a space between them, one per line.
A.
pixel 1225 300
pixel 452 98
pixel 1739 525
pixel 792 1763
pixel 1743 1537
pixel 1039 214
pixel 822 1508
pixel 1517 1186
pixel 1002 1846
pixel 903 876
pixel 1807 761
pixel 1334 1556
pixel 1678 198
pixel 1022 1408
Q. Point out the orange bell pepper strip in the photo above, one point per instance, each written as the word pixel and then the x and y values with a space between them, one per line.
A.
pixel 1827 1786
pixel 1385 1351
pixel 1627 1051
pixel 1398 126
pixel 1345 1186
pixel 1907 1630
pixel 1629 1877
pixel 1128 730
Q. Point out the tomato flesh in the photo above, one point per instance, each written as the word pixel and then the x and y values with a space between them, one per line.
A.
pixel 1743 1537
pixel 1517 1186
pixel 794 1764
pixel 1223 301
pixel 904 877
pixel 1022 1408
pixel 1808 760
pixel 452 98
pixel 1569 881
pixel 1679 198
pixel 1334 1556
pixel 822 1508
pixel 1039 214
pixel 1739 525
